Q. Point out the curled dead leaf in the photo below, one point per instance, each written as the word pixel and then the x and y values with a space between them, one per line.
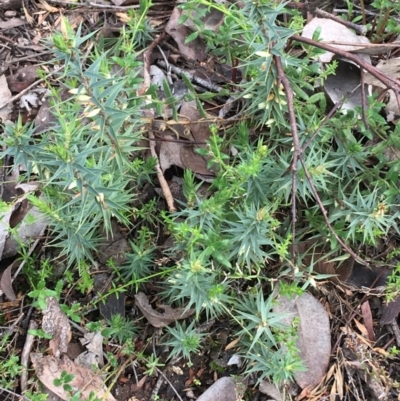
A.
pixel 6 283
pixel 158 319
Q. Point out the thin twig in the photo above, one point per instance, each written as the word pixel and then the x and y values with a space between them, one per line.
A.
pixel 150 113
pixel 19 59
pixel 390 82
pixel 298 155
pixel 323 14
pixel 92 4
pixel 363 12
pixel 146 64
pixel 184 141
pixel 337 106
pixel 396 331
pixel 169 79
pixel 358 28
pixel 20 94
pixel 354 313
pixel 2 37
pixel 173 388
pixel 364 101
pixel 25 355
pixel 200 81
pixel 296 143
pixel 325 214
pixel 156 388
pixel 116 377
pixel 161 179
pixel 10 392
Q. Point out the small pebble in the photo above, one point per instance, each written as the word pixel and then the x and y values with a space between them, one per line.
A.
pixel 190 394
pixel 10 13
pixel 225 389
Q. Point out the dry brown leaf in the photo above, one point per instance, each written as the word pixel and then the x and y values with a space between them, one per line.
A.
pixel 123 17
pixel 196 49
pixel 225 389
pixel 6 283
pixel 211 18
pixel 195 162
pixel 46 6
pixel 5 96
pixel 368 320
pixel 198 128
pixel 270 389
pixel 56 323
pixel 200 131
pixel 94 344
pixel 314 341
pixel 11 23
pixel 339 382
pixel 49 368
pixel 332 31
pixel 158 319
pixel 391 68
pixel 361 328
pixel 23 78
pixel 28 229
pixel 390 311
pixel 232 344
pixel 170 154
pixel 4 226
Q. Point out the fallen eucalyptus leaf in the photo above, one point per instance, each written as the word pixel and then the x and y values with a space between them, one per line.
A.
pixel 391 68
pixel 314 336
pixel 5 96
pixel 225 389
pixel 196 49
pixel 158 319
pixel 170 154
pixel 6 283
pixel 332 31
pixel 390 311
pixel 94 345
pixel 49 368
pixel 270 389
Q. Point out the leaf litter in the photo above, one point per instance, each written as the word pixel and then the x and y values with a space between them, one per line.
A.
pixel 193 130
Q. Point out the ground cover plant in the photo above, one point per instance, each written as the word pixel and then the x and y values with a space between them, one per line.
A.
pixel 206 206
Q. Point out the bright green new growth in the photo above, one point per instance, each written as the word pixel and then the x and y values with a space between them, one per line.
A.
pixel 184 341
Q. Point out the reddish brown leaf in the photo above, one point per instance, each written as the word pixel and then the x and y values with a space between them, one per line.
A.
pixel 24 77
pixel 158 319
pixel 368 321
